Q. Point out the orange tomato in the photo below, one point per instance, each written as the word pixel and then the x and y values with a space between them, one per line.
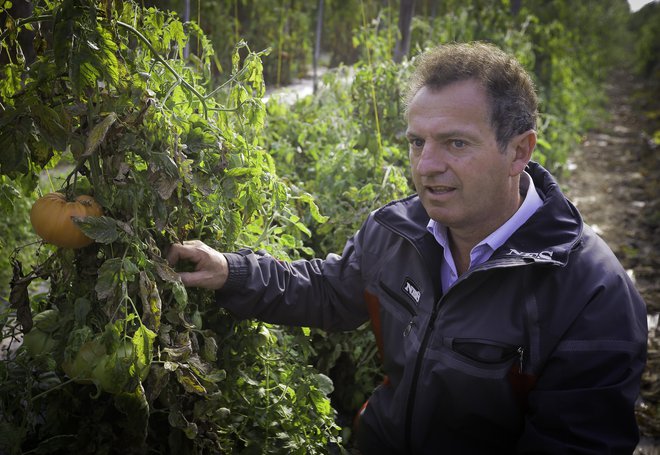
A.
pixel 51 219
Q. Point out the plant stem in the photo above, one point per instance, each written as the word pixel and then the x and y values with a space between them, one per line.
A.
pixel 58 386
pixel 158 57
pixel 22 22
pixel 373 88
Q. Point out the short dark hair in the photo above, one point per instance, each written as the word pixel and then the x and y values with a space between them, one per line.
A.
pixel 513 100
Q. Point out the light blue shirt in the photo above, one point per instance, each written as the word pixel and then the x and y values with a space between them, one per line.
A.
pixel 484 249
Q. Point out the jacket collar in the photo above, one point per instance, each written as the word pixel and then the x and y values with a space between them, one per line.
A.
pixel 552 232
pixel 408 218
pixel 547 237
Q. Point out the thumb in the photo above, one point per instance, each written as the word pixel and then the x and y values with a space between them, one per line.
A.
pixel 208 279
pixel 190 279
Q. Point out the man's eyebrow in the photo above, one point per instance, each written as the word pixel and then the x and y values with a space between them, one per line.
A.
pixel 444 135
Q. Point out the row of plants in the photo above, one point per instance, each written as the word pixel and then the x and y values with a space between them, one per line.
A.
pixel 115 355
pixel 645 25
pixel 567 46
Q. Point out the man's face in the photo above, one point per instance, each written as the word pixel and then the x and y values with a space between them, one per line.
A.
pixel 463 179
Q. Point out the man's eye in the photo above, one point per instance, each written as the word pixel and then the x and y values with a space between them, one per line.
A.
pixel 416 142
pixel 457 143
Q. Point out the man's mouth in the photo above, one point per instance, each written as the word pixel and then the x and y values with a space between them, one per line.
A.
pixel 439 189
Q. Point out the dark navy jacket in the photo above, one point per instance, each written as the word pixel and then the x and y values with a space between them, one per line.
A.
pixel 538 350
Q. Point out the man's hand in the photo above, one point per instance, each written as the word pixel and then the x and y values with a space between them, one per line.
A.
pixel 211 268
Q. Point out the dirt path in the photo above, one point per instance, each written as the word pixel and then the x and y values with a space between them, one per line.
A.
pixel 615 183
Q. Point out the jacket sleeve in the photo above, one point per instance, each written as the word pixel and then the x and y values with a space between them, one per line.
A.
pixel 327 293
pixel 584 399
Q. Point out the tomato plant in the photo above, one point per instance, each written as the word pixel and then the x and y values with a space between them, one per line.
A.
pixel 137 361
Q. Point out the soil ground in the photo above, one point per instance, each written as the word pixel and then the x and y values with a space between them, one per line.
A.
pixel 615 183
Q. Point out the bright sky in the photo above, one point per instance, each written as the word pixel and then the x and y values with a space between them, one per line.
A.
pixel 637 4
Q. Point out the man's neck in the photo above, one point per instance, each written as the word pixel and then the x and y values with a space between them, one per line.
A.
pixel 462 243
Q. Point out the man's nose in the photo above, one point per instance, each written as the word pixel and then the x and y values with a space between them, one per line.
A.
pixel 432 160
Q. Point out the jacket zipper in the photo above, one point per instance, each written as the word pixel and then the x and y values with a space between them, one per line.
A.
pixel 413 383
pixel 420 355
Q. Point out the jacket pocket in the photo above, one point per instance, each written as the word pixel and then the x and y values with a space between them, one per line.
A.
pixel 398 298
pixel 485 352
pixel 401 303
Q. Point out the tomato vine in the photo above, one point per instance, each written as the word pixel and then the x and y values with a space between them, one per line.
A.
pixel 139 362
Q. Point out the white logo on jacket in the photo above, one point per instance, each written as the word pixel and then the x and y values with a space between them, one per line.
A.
pixel 543 255
pixel 410 289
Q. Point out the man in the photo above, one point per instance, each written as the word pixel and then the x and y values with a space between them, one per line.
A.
pixel 506 325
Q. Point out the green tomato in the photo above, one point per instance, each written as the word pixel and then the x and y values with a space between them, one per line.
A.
pixel 37 342
pixel 111 372
pixel 114 371
pixel 47 321
pixel 80 368
pixel 127 356
pixel 107 377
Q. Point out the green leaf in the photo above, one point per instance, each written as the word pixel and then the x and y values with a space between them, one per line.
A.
pixel 103 229
pixel 107 55
pixel 543 143
pixel 98 133
pixel 174 32
pixel 111 273
pixel 151 303
pixel 241 172
pixel 63 30
pixel 15 138
pixel 178 420
pixel 209 349
pixel 180 295
pixel 321 404
pixel 135 409
pixel 324 384
pixel 84 74
pixel 189 381
pixel 129 268
pixel 143 341
pixel 10 82
pixel 313 208
pixel 108 278
pixel 49 124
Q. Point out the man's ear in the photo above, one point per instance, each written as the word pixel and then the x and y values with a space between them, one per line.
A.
pixel 522 146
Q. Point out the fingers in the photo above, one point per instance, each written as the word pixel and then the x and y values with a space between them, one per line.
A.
pixel 186 251
pixel 211 268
